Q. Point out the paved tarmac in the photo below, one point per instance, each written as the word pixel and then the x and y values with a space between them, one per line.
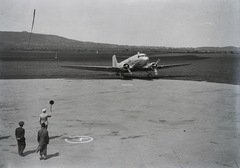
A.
pixel 128 123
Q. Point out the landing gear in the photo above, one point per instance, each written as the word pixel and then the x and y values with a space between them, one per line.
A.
pixel 149 75
pixel 121 74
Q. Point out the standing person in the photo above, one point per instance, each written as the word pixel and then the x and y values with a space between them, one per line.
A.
pixel 43 141
pixel 20 137
pixel 44 117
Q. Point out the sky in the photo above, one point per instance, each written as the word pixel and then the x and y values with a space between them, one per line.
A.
pixel 168 23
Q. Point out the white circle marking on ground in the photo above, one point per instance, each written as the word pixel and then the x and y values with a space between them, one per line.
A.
pixel 127 84
pixel 79 139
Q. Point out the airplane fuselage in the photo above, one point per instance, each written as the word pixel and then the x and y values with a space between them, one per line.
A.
pixel 136 61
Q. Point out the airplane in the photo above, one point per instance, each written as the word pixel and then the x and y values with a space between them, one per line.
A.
pixel 137 62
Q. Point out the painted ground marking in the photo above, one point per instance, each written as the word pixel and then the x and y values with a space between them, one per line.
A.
pixel 79 139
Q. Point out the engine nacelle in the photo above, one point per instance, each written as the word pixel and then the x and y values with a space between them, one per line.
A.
pixel 152 65
pixel 126 66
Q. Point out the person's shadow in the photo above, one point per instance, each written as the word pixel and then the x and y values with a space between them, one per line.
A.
pixel 29 152
pixel 4 137
pixel 52 155
pixel 57 136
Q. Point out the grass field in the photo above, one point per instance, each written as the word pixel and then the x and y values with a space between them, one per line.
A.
pixel 219 68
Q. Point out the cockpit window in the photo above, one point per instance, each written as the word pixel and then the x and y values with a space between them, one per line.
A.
pixel 141 55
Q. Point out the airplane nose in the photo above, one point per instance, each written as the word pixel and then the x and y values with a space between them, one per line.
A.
pixel 146 58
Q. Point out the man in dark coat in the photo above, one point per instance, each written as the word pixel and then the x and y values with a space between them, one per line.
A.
pixel 20 137
pixel 43 141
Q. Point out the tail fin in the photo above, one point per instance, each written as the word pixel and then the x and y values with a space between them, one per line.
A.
pixel 114 61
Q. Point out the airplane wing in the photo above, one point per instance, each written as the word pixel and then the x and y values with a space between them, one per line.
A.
pixel 116 69
pixel 149 68
pixel 170 65
pixel 154 67
pixel 93 68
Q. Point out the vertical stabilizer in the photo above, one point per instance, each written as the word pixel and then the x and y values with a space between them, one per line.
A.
pixel 114 61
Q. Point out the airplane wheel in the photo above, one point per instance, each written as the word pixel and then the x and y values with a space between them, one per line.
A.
pixel 119 74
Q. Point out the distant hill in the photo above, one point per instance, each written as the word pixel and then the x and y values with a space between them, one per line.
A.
pixel 19 41
pixel 42 41
pixel 220 49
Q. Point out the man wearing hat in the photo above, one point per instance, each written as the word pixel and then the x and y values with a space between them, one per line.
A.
pixel 44 117
pixel 20 136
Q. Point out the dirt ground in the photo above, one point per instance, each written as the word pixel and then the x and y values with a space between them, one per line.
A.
pixel 218 68
pixel 132 123
pixel 185 117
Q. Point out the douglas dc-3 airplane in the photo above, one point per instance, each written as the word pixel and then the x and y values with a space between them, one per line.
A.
pixel 138 62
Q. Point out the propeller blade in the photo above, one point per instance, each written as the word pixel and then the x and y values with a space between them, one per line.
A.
pixel 155 67
pixel 155 70
pixel 129 71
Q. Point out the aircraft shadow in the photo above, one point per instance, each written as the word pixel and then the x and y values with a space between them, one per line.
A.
pixel 130 77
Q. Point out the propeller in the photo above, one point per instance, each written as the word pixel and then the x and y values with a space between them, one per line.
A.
pixel 129 71
pixel 154 67
pixel 126 66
